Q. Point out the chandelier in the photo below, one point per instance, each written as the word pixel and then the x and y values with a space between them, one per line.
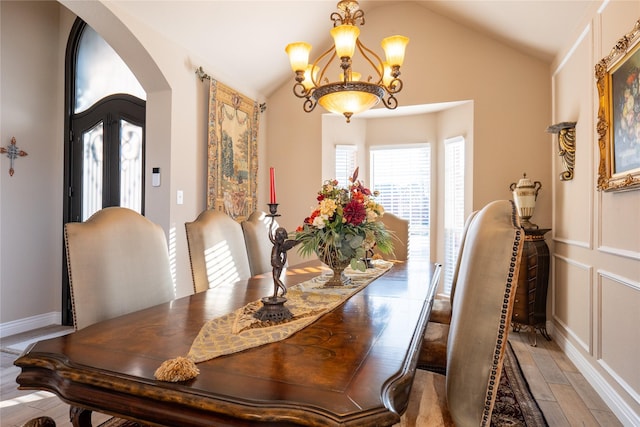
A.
pixel 348 94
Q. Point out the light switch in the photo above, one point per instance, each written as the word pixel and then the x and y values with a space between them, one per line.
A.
pixel 155 177
pixel 180 197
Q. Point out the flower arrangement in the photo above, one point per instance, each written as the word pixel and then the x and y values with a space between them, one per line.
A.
pixel 345 225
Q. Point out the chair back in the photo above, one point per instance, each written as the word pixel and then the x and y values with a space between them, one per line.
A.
pixel 258 244
pixel 456 270
pixel 216 250
pixel 118 263
pixel 400 229
pixel 481 313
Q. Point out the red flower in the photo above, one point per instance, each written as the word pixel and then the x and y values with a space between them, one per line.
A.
pixel 358 187
pixel 358 197
pixel 320 197
pixel 354 213
pixel 309 219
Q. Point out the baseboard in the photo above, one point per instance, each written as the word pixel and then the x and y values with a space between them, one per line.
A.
pixel 30 323
pixel 616 403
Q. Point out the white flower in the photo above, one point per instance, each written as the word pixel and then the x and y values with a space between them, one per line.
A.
pixel 319 221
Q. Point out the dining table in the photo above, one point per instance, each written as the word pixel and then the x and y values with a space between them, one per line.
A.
pixel 353 366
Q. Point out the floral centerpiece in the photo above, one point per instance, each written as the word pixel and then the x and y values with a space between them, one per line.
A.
pixel 344 227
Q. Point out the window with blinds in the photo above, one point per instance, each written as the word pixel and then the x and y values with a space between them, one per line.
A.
pixel 403 178
pixel 345 163
pixel 453 205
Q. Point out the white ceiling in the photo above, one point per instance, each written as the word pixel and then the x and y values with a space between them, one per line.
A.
pixel 223 31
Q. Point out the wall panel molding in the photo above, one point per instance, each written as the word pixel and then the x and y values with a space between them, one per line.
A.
pixel 585 342
pixel 619 252
pixel 569 106
pixel 572 49
pixel 620 381
pixel 635 287
pixel 615 401
pixel 572 242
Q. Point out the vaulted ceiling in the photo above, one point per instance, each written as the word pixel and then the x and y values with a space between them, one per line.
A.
pixel 249 36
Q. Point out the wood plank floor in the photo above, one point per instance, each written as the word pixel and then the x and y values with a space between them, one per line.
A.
pixel 19 406
pixel 563 394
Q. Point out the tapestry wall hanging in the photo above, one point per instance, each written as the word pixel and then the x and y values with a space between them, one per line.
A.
pixel 232 157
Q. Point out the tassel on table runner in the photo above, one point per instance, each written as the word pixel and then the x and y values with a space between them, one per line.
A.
pixel 239 330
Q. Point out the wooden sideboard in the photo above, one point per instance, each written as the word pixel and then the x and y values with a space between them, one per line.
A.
pixel 530 307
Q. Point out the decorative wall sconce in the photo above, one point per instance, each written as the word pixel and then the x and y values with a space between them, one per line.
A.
pixel 567 146
pixel 13 152
pixel 525 193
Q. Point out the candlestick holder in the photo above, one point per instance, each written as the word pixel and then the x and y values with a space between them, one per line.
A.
pixel 273 308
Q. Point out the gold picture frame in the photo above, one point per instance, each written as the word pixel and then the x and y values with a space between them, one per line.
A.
pixel 618 127
pixel 232 152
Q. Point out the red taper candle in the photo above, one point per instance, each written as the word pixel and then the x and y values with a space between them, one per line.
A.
pixel 272 180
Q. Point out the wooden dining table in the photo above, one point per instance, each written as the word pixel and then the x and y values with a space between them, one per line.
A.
pixel 354 366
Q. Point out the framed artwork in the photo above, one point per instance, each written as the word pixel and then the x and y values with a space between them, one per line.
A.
pixel 232 158
pixel 618 82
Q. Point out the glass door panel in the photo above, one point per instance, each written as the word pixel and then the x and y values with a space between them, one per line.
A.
pixel 92 171
pixel 131 166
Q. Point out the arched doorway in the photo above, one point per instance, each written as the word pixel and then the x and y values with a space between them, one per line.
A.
pixel 105 110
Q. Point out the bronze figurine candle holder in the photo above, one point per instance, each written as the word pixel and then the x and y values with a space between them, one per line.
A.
pixel 273 308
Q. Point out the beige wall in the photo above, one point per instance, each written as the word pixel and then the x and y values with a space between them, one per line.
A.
pixel 595 292
pixel 31 201
pixel 514 97
pixel 445 62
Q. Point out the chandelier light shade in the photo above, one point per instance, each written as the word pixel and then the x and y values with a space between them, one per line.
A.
pixel 394 48
pixel 351 93
pixel 298 55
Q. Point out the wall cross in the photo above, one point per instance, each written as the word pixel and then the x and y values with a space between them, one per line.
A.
pixel 12 153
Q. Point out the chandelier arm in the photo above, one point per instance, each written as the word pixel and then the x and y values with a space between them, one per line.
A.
pixel 395 86
pixel 358 15
pixel 391 103
pixel 309 105
pixel 348 18
pixel 318 81
pixel 300 91
pixel 337 19
pixel 363 50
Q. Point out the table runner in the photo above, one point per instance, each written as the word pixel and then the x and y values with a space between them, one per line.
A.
pixel 240 330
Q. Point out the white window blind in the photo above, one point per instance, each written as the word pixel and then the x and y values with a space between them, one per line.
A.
pixel 453 205
pixel 345 163
pixel 403 178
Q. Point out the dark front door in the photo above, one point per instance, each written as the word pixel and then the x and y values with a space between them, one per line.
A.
pixel 104 164
pixel 107 157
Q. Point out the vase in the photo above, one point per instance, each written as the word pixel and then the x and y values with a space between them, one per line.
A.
pixel 329 255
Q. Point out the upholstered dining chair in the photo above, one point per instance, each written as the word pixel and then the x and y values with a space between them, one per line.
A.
pixel 400 229
pixel 433 352
pixel 217 250
pixel 479 328
pixel 256 238
pixel 118 263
